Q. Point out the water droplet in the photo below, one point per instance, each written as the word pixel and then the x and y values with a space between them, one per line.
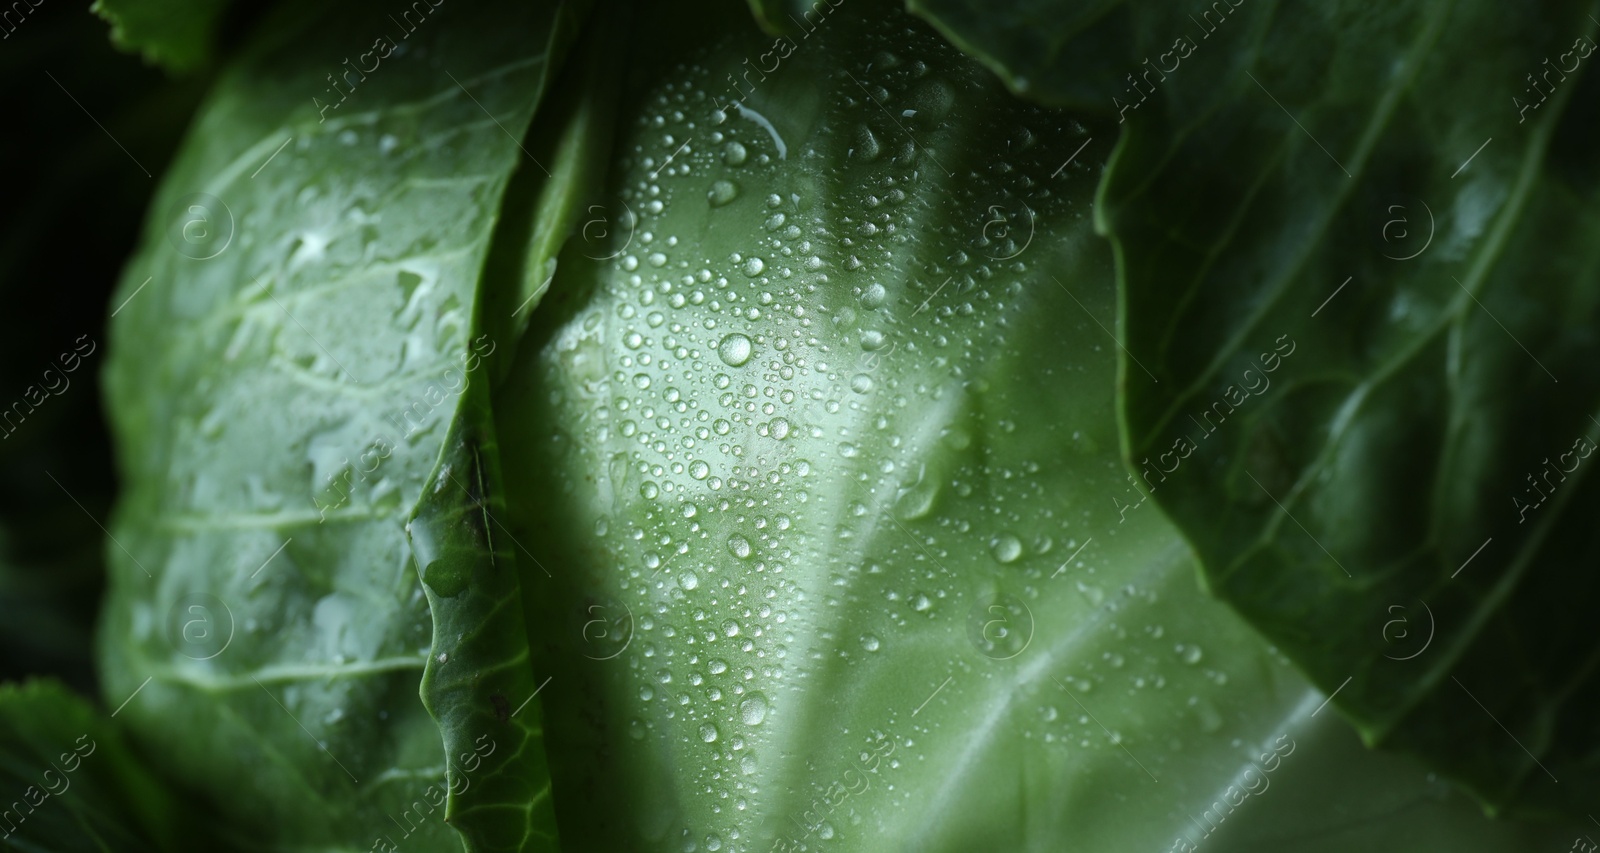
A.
pixel 861 383
pixel 709 733
pixel 689 580
pixel 870 642
pixel 699 470
pixel 753 710
pixel 734 154
pixel 754 266
pixel 866 144
pixel 933 100
pixel 739 547
pixel 1191 654
pixel 734 350
pixel 1006 548
pixel 916 500
pixel 721 193
pixel 448 575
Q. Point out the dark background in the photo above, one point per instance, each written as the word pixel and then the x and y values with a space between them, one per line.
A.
pixel 73 204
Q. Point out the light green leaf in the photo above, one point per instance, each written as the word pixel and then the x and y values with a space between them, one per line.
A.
pixel 288 356
pixel 821 457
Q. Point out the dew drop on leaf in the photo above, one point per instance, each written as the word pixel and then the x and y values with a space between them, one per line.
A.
pixel 734 350
pixel 1006 548
pixel 721 193
pixel 753 710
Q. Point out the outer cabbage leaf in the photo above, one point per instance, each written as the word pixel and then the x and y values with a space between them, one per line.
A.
pixel 1406 202
pixel 819 458
pixel 176 34
pixel 321 246
pixel 68 781
pixel 1067 53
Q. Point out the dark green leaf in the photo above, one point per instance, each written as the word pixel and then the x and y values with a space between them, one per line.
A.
pixel 573 137
pixel 789 17
pixel 69 783
pixel 478 682
pixel 1058 52
pixel 176 34
pixel 1399 197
